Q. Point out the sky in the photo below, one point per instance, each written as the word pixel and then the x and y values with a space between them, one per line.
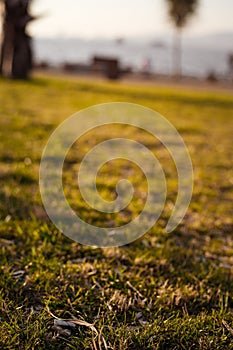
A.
pixel 123 18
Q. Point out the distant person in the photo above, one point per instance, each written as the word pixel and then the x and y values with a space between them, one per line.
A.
pixel 147 67
pixel 230 64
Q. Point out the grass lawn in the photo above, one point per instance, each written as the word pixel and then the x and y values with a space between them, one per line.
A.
pixel 165 291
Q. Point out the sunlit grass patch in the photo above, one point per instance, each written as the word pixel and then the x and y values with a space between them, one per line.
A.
pixel 164 291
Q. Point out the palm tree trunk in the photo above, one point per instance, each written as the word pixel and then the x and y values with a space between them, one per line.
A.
pixel 177 54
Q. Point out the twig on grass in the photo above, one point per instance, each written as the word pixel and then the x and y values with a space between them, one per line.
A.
pixel 226 325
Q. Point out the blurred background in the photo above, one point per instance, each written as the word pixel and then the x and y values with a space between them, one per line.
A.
pixel 154 37
pixel 139 34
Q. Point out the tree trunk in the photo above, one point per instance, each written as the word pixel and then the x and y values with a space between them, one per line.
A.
pixel 16 53
pixel 177 54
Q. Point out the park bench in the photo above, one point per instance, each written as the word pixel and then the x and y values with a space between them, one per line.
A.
pixel 109 66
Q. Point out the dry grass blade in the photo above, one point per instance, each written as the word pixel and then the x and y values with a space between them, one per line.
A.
pixel 135 290
pixel 226 325
pixel 101 339
pixel 72 322
pixel 82 323
pixel 68 322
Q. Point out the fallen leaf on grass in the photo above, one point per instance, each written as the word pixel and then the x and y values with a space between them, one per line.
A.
pixel 61 331
pixel 58 323
pixel 64 323
pixel 19 274
pixel 6 242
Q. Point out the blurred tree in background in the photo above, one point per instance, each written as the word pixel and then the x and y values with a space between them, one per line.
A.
pixel 16 52
pixel 180 12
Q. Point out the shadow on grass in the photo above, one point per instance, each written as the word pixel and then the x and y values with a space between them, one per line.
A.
pixel 161 96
